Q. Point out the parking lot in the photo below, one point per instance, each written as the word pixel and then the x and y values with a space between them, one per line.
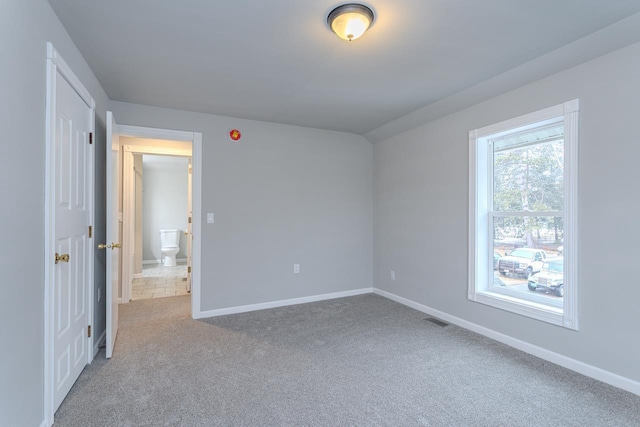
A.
pixel 519 283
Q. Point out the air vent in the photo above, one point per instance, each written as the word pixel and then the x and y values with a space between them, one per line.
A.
pixel 436 321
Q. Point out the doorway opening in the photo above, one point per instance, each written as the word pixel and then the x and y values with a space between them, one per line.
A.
pixel 162 210
pixel 158 142
pixel 121 209
pixel 157 218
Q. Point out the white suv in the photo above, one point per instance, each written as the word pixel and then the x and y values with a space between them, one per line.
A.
pixel 525 261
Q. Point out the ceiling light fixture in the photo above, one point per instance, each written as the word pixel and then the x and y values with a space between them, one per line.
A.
pixel 350 21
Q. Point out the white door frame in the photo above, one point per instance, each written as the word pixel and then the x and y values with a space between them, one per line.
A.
pixel 189 231
pixel 55 65
pixel 129 227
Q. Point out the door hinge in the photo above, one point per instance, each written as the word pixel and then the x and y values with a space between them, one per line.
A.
pixel 90 232
pixel 189 220
pixel 188 269
pixel 190 170
pixel 89 331
pixel 90 137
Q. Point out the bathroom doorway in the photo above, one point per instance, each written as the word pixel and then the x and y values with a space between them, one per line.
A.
pixel 157 215
pixel 161 211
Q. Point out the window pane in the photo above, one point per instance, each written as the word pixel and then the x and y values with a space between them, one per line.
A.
pixel 528 258
pixel 528 176
pixel 543 232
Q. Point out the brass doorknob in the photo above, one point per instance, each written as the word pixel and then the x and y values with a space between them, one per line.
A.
pixel 62 258
pixel 111 246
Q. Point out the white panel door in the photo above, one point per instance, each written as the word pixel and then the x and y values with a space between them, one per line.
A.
pixel 72 195
pixel 113 245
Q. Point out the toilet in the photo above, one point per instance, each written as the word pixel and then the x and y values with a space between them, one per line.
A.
pixel 169 241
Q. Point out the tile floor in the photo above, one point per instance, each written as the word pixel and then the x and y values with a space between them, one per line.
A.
pixel 158 281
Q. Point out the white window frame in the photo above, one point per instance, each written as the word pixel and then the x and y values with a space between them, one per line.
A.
pixel 480 222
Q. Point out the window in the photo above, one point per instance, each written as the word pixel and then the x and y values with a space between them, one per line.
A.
pixel 522 215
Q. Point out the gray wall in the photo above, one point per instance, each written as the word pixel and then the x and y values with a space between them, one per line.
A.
pixel 281 195
pixel 421 212
pixel 165 186
pixel 285 195
pixel 25 27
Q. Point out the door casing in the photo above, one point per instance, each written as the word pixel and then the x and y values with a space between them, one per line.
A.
pixel 195 152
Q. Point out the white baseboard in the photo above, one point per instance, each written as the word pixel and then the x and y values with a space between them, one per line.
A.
pixel 99 341
pixel 281 303
pixel 564 361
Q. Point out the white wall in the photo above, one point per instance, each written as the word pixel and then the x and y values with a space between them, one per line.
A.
pixel 281 195
pixel 25 27
pixel 421 212
pixel 165 186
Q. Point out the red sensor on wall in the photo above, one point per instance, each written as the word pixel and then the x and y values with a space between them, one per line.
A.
pixel 235 135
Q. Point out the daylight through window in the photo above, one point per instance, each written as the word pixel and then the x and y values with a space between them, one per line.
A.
pixel 522 215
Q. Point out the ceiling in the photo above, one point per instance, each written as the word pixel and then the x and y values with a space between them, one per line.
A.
pixel 278 61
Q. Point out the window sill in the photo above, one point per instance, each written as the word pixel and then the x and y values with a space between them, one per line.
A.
pixel 534 310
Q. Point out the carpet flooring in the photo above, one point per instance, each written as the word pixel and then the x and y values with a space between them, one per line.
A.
pixel 357 361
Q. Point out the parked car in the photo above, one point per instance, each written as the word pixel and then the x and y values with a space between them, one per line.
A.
pixel 496 258
pixel 550 278
pixel 525 261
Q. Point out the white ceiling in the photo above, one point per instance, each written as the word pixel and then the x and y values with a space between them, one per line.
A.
pixel 277 60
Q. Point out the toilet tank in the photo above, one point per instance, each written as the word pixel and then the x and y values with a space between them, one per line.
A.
pixel 170 237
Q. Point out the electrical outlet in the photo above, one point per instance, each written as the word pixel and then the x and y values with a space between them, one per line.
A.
pixel 393 275
pixel 296 268
pixel 99 294
pixel 210 218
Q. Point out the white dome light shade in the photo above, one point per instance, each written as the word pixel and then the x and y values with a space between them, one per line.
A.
pixel 350 21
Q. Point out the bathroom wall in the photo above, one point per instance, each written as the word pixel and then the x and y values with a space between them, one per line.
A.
pixel 164 201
